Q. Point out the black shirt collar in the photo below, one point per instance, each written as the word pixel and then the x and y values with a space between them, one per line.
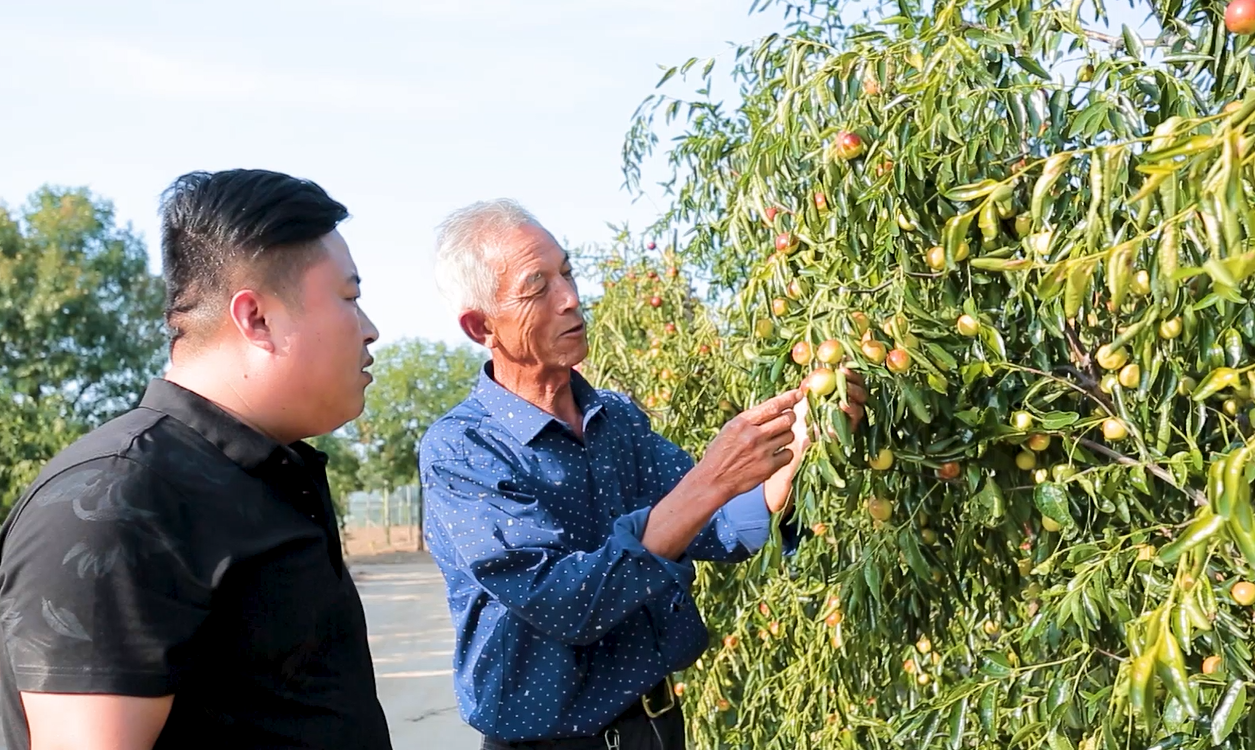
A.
pixel 242 444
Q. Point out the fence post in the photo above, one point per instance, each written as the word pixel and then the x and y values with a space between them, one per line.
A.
pixel 417 511
pixel 387 518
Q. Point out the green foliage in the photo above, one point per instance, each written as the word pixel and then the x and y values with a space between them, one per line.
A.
pixel 416 383
pixel 80 327
pixel 983 590
pixel 343 466
pixel 668 358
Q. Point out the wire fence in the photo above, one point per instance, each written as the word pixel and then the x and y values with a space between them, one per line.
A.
pixel 398 514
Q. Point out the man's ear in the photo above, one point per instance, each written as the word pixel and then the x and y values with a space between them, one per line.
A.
pixel 248 310
pixel 477 327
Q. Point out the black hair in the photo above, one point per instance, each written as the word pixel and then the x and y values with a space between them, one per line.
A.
pixel 220 229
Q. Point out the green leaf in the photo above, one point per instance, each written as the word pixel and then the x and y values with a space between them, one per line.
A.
pixel 914 558
pixel 988 506
pixel 1057 420
pixel 1052 500
pixel 1051 173
pixel 972 192
pixel 1001 264
pixel 993 340
pixel 1056 740
pixel 1228 712
pixel 957 724
pixel 1132 44
pixel 1032 66
pixel 871 574
pixel 994 664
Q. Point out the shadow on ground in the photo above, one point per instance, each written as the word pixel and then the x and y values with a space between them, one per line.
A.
pixel 411 641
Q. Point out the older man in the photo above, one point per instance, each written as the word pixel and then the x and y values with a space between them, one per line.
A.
pixel 564 526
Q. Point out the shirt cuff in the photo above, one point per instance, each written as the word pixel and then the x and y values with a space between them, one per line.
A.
pixel 628 530
pixel 748 518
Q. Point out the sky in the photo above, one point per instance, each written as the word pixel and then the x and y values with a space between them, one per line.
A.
pixel 404 110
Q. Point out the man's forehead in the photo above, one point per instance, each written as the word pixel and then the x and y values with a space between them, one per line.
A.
pixel 524 254
pixel 337 251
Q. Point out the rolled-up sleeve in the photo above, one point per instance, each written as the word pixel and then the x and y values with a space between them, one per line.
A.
pixel 515 551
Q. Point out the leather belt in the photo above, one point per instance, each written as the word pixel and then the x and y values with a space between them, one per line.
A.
pixel 659 700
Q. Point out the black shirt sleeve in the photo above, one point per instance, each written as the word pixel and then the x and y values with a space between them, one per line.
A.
pixel 97 592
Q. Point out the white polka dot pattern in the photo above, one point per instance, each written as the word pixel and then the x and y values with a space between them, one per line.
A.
pixel 562 617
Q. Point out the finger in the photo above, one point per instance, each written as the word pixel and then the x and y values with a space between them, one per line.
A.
pixel 781 460
pixel 782 424
pixel 800 413
pixel 856 393
pixel 799 448
pixel 777 442
pixel 852 376
pixel 855 412
pixel 802 408
pixel 773 406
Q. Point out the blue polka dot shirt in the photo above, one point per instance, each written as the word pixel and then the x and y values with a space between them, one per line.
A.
pixel 562 618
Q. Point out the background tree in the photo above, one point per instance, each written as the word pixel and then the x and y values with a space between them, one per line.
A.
pixel 80 327
pixel 416 383
pixel 343 466
pixel 1043 536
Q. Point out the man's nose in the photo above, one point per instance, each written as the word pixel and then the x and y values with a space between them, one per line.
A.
pixel 369 331
pixel 568 297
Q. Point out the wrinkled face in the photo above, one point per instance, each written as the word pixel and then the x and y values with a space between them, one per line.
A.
pixel 324 342
pixel 538 319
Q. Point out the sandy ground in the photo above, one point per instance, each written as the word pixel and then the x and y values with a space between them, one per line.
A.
pixel 411 641
pixel 374 544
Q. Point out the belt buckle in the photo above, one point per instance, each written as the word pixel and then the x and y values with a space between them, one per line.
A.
pixel 651 713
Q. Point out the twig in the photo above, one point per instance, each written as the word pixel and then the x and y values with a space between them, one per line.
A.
pixel 1079 355
pixel 1110 655
pixel 1079 389
pixel 1118 41
pixel 1091 388
pixel 1199 498
pixel 873 290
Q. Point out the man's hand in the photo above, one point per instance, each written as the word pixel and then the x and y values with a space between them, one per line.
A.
pixel 751 447
pixel 748 449
pixel 856 396
pixel 777 490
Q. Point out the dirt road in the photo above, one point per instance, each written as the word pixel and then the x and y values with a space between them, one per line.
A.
pixel 412 644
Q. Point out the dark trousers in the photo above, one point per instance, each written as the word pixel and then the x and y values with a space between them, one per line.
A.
pixel 632 731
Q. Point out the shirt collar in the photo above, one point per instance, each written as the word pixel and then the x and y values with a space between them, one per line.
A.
pixel 523 419
pixel 242 444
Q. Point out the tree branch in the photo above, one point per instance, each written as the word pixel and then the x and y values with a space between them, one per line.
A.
pixel 1199 498
pixel 873 290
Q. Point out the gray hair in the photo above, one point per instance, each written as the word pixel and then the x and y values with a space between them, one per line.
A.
pixel 465 240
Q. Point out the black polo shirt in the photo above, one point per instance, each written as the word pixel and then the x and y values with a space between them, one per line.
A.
pixel 175 550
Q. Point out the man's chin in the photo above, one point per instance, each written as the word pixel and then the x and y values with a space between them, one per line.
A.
pixel 578 356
